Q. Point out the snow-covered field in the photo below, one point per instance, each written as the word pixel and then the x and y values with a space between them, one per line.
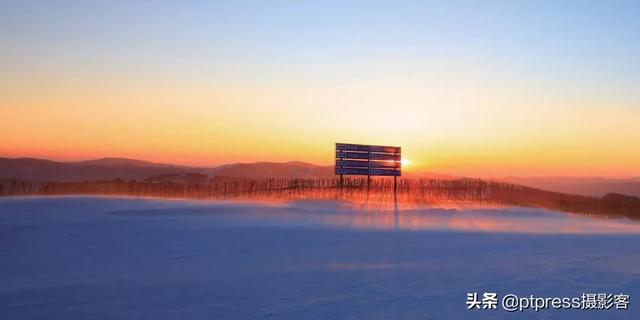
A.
pixel 125 258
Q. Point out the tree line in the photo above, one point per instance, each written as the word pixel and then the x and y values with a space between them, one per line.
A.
pixel 379 190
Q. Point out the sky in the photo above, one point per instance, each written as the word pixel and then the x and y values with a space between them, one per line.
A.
pixel 475 88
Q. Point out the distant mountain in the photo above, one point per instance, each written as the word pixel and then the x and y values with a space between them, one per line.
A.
pixel 257 170
pixel 100 169
pixel 180 178
pixel 129 169
pixel 430 175
pixel 110 161
pixel 580 185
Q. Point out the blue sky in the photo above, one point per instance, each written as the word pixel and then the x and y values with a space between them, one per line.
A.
pixel 553 39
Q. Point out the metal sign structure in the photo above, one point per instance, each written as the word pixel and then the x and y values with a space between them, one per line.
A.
pixel 368 160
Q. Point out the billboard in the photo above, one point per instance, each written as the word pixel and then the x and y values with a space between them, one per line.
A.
pixel 368 160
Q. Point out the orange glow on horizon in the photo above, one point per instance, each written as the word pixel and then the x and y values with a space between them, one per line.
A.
pixel 483 133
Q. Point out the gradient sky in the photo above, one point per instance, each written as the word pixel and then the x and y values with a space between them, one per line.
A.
pixel 480 88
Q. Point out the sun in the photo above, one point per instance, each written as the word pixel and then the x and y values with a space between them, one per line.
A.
pixel 405 162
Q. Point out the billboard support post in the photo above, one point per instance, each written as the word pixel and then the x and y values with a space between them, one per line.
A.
pixel 369 174
pixel 341 178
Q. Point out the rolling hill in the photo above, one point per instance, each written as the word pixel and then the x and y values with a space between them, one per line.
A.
pixel 100 169
pixel 580 185
pixel 257 170
pixel 130 169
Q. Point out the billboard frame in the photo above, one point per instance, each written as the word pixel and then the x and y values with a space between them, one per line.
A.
pixel 369 160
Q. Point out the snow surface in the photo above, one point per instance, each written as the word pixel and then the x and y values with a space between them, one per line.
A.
pixel 127 258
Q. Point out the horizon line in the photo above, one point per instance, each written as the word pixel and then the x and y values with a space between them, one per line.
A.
pixel 411 172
